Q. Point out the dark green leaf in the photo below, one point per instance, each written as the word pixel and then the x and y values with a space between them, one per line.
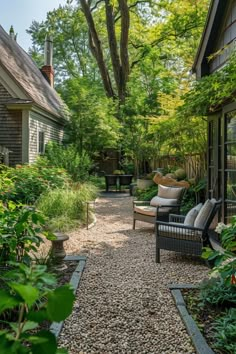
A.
pixel 60 303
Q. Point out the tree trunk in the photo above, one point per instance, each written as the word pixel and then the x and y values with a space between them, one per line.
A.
pixel 119 59
pixel 124 54
pixel 96 49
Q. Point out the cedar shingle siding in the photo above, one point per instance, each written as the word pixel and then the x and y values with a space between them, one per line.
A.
pixel 52 132
pixel 10 129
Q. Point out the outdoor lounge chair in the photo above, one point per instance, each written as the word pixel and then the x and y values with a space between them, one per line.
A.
pixel 168 200
pixel 186 234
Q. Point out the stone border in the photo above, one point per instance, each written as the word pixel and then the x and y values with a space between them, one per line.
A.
pixel 197 338
pixel 56 327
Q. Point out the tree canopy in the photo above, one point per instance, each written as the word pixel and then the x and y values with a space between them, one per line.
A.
pixel 133 56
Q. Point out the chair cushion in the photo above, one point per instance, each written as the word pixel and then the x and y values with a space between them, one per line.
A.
pixel 146 210
pixel 169 192
pixel 163 201
pixel 191 215
pixel 178 233
pixel 204 213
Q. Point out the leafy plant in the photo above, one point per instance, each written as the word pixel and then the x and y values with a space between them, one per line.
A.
pixel 228 236
pixel 28 295
pixel 20 232
pixel 147 194
pixel 67 157
pixel 216 292
pixel 25 183
pixel 225 338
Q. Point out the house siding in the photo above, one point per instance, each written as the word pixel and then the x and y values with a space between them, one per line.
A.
pixel 52 132
pixel 10 129
pixel 226 42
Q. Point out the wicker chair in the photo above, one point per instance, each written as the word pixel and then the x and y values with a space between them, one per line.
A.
pixel 167 201
pixel 186 234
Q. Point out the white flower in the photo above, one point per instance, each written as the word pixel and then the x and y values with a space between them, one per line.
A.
pixel 220 227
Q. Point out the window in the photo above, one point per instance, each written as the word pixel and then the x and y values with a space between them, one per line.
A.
pixel 230 165
pixel 41 143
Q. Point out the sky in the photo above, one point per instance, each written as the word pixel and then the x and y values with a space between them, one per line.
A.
pixel 21 13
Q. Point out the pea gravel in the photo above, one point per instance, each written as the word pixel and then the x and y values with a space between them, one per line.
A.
pixel 123 304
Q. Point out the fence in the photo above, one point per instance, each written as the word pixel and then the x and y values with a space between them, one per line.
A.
pixel 195 165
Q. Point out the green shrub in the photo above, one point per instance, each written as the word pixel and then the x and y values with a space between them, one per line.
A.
pixel 147 194
pixel 216 292
pixel 28 298
pixel 27 182
pixel 67 157
pixel 66 208
pixel 6 183
pixel 99 182
pixel 20 232
pixel 225 326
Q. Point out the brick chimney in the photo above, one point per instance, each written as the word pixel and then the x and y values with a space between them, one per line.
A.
pixel 47 69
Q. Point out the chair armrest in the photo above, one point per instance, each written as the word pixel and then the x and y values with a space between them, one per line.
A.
pixel 176 218
pixel 177 206
pixel 141 202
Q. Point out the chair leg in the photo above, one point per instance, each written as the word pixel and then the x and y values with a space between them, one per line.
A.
pixel 134 224
pixel 157 248
pixel 157 255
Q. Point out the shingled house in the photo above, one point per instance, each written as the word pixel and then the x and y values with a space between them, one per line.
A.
pixel 31 111
pixel 219 37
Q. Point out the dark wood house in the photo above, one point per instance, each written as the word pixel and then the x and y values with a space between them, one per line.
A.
pixel 31 112
pixel 219 36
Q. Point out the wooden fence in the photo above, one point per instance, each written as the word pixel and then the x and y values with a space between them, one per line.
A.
pixel 195 165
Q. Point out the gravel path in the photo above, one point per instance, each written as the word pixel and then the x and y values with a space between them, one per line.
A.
pixel 123 304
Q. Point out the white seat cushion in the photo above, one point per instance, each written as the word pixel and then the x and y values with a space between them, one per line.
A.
pixel 146 210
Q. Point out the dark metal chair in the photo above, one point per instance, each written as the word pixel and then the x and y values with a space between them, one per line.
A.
pixel 111 180
pixel 125 180
pixel 178 237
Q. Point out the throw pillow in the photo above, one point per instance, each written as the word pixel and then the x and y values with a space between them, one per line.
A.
pixel 204 213
pixel 169 192
pixel 191 215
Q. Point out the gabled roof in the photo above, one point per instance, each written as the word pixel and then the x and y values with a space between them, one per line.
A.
pixel 23 70
pixel 215 16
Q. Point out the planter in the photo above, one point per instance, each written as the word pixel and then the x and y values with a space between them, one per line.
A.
pixel 144 183
pixel 58 252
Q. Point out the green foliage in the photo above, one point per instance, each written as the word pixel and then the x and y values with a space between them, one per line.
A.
pixel 188 202
pixel 211 91
pixel 28 293
pixel 20 232
pixel 65 209
pixel 6 183
pixel 225 326
pixel 147 194
pixel 67 157
pixel 98 182
pixel 25 183
pixel 228 236
pixel 216 292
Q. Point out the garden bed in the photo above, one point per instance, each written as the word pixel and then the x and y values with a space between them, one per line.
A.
pixel 200 320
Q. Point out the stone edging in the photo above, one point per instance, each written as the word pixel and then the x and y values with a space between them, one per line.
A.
pixel 56 327
pixel 197 338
